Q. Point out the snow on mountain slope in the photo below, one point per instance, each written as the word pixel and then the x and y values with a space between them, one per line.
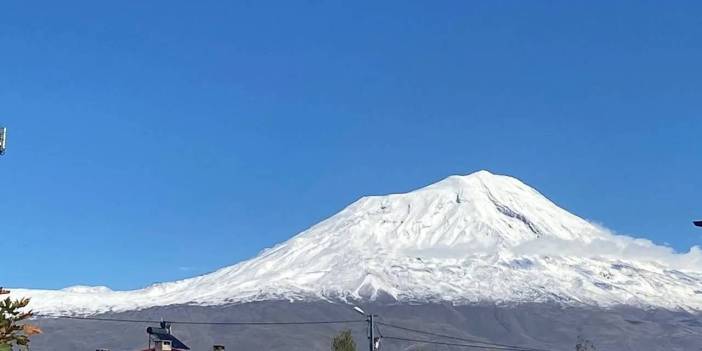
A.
pixel 465 239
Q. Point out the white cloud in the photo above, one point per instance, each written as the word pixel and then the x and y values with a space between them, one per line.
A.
pixel 616 246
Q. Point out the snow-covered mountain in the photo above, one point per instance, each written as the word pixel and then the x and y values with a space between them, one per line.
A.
pixel 465 239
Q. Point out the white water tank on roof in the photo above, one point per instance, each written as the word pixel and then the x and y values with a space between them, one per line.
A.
pixel 163 345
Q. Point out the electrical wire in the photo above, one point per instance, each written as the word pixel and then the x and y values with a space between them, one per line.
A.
pixel 418 331
pixel 120 320
pixel 102 319
pixel 377 330
pixel 473 346
pixel 476 344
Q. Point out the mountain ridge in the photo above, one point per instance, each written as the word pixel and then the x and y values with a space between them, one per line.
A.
pixel 465 239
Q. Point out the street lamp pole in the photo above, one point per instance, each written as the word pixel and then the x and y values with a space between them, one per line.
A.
pixel 373 341
pixel 371 337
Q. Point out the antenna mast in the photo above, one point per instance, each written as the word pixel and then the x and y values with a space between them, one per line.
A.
pixel 3 139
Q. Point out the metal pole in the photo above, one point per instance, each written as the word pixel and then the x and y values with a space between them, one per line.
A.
pixel 3 140
pixel 371 338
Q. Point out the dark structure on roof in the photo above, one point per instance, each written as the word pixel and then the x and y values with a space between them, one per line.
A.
pixel 163 340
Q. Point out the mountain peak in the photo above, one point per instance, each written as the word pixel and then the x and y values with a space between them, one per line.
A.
pixel 486 207
pixel 458 181
pixel 479 182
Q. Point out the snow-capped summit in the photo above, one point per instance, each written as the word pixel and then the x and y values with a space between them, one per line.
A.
pixel 465 239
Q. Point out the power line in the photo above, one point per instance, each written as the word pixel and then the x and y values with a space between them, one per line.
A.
pixel 473 346
pixel 121 320
pixel 477 344
pixel 104 319
pixel 418 331
pixel 272 323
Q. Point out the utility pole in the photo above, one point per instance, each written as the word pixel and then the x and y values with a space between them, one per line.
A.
pixel 373 341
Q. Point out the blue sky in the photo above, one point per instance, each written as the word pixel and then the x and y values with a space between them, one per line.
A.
pixel 151 141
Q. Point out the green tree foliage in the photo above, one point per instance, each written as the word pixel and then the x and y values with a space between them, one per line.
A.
pixel 12 329
pixel 344 342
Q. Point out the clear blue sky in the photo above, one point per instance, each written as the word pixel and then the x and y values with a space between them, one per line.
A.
pixel 158 140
